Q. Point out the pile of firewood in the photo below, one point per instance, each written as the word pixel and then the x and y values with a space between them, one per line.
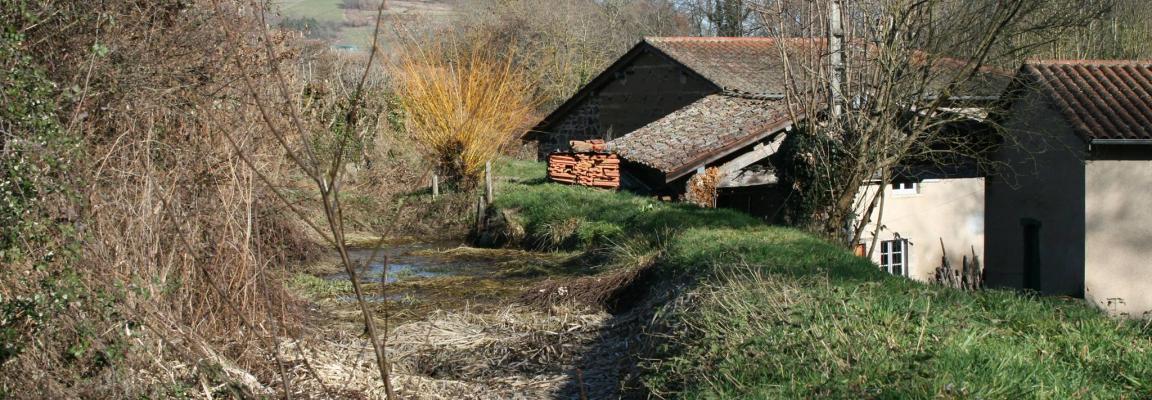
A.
pixel 701 188
pixel 588 168
pixel 970 275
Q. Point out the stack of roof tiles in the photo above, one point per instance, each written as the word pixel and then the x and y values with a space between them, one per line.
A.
pixel 588 165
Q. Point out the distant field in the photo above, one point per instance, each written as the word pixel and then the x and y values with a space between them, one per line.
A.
pixel 322 10
pixel 434 12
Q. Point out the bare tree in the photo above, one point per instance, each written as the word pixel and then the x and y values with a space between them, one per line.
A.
pixel 562 45
pixel 722 17
pixel 282 115
pixel 1123 32
pixel 888 83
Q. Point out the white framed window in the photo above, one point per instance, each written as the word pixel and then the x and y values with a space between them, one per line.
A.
pixel 905 188
pixel 894 256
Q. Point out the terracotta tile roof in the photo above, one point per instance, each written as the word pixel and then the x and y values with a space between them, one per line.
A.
pixel 1101 99
pixel 748 65
pixel 752 65
pixel 702 131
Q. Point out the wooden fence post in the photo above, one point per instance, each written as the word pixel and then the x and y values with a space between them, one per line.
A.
pixel 435 186
pixel 488 181
pixel 479 214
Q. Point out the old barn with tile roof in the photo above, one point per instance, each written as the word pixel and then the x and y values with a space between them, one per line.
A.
pixel 1070 213
pixel 674 105
pixel 702 132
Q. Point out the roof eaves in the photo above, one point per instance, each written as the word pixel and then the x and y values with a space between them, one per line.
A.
pixel 1137 142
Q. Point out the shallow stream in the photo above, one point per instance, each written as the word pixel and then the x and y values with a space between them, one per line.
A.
pixel 424 277
pixel 407 261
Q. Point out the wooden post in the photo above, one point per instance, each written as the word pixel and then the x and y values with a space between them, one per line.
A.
pixel 836 55
pixel 488 181
pixel 435 186
pixel 479 214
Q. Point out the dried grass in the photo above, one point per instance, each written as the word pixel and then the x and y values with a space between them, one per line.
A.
pixel 516 353
pixel 605 291
pixel 182 244
pixel 173 207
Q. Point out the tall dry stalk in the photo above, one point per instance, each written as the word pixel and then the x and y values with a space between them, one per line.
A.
pixel 463 106
pixel 281 114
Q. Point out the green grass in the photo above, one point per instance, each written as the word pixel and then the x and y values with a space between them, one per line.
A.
pixel 315 287
pixel 772 312
pixel 573 217
pixel 322 10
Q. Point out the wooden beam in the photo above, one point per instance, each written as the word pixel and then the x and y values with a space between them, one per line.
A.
pixel 759 152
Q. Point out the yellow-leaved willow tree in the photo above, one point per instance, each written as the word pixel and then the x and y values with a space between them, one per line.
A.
pixel 463 105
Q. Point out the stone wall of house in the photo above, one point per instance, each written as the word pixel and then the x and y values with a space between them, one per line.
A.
pixel 582 123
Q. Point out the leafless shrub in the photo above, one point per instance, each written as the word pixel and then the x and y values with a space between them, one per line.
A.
pixel 179 239
pixel 702 188
pixel 323 165
pixel 893 83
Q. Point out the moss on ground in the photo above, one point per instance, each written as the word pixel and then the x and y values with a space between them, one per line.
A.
pixel 772 312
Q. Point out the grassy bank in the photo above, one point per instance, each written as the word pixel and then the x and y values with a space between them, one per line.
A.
pixel 771 312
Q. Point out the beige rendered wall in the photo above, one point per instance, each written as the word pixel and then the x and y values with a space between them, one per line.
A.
pixel 1118 225
pixel 1040 179
pixel 948 209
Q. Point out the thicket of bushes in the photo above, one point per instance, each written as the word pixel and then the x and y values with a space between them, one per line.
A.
pixel 311 27
pixel 142 253
pixel 758 311
pixel 36 280
pixel 561 45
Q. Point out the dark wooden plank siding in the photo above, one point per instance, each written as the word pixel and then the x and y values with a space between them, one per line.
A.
pixel 645 90
pixel 762 201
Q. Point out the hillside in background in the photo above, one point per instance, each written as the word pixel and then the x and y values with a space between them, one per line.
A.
pixel 348 24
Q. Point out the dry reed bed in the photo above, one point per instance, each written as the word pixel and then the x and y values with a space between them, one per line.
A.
pixel 514 353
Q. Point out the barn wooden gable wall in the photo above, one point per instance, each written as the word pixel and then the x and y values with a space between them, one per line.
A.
pixel 648 88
